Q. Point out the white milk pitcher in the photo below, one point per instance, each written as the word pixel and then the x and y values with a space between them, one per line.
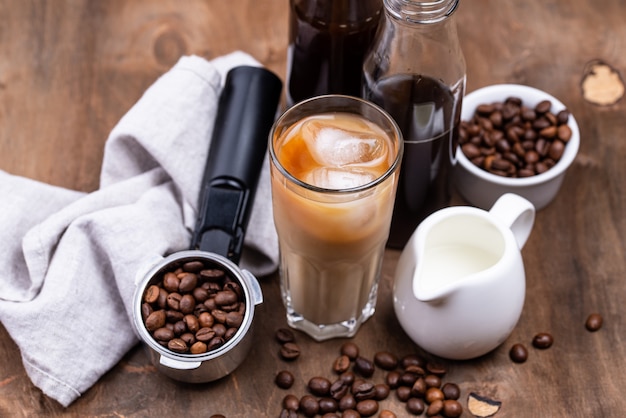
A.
pixel 460 283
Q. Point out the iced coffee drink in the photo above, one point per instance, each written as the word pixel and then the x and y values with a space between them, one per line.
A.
pixel 334 166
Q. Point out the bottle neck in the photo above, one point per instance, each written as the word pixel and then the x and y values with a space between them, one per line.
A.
pixel 424 12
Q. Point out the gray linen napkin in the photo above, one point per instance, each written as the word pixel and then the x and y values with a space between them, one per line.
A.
pixel 68 260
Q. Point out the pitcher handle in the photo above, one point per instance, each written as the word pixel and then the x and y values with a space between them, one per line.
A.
pixel 517 213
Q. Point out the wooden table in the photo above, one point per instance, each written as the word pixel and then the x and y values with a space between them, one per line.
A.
pixel 70 69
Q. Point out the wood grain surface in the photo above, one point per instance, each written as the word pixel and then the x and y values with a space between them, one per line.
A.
pixel 70 69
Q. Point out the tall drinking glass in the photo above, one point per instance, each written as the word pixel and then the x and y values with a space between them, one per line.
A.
pixel 334 171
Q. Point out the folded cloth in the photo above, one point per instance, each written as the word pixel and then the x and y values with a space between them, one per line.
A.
pixel 69 259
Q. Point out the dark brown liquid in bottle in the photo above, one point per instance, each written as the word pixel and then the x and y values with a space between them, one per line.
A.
pixel 428 115
pixel 328 40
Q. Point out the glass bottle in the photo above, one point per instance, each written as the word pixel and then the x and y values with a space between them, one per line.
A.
pixel 328 40
pixel 416 72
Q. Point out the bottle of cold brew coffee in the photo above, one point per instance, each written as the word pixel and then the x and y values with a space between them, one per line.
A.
pixel 328 40
pixel 416 72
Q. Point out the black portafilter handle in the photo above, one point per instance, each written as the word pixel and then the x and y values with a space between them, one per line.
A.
pixel 246 111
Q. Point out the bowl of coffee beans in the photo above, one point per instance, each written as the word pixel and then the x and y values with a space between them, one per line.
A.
pixel 193 311
pixel 513 139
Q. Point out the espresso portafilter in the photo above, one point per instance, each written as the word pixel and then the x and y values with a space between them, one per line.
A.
pixel 246 110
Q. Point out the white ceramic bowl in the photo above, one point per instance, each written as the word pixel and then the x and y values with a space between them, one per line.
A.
pixel 481 188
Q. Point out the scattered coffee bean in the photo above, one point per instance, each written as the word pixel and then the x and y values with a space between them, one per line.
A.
pixel 319 386
pixel 350 413
pixel 436 368
pixel 291 402
pixel 512 140
pixel 451 391
pixel 347 402
pixel 432 381
pixel 341 364
pixel 350 349
pixel 433 394
pixel 328 405
pixel 289 351
pixel 309 406
pixel 385 360
pixel 452 408
pixel 172 308
pixel 381 391
pixel 543 340
pixel 284 379
pixel 415 406
pixel 393 379
pixel 364 367
pixel 518 353
pixel 434 408
pixel 594 322
pixel 367 408
pixel 362 390
pixel 385 413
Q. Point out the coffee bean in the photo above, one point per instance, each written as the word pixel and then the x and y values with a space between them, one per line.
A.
pixel 543 340
pixel 347 402
pixel 363 366
pixel 347 377
pixel 434 408
pixel 163 334
pixel 234 319
pixel 284 335
pixel 393 379
pixel 451 391
pixel 415 406
pixel 152 294
pixel 177 345
pixel 403 393
pixel 188 282
pixel 171 282
pixel 215 342
pixel 381 391
pixel 367 408
pixel 350 413
pixel 198 348
pixel 319 386
pixel 412 359
pixel 193 325
pixel 187 304
pixel 593 322
pixel 155 320
pixel 291 402
pixel 362 390
pixel 338 389
pixel 193 266
pixel 309 406
pixel 328 405
pixel 385 413
pixel 351 350
pixel 518 353
pixel 419 388
pixel 289 351
pixel 433 394
pixel 385 360
pixel 452 408
pixel 432 381
pixel 341 364
pixel 284 379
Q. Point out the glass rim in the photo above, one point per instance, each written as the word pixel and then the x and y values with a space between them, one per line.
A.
pixel 378 180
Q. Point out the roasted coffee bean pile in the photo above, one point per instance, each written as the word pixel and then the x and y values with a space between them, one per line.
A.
pixel 194 308
pixel 352 392
pixel 512 140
